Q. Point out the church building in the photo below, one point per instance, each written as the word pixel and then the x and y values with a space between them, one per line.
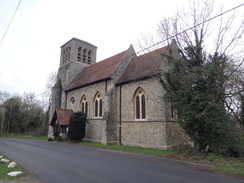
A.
pixel 121 96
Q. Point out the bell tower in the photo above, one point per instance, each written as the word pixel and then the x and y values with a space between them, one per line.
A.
pixel 77 50
pixel 75 55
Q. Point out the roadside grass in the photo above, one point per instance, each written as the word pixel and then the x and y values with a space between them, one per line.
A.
pixel 25 136
pixel 4 170
pixel 150 151
pixel 231 166
pixel 234 171
pixel 227 165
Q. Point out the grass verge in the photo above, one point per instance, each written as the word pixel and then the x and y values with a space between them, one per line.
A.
pixel 4 170
pixel 227 165
pixel 234 171
pixel 130 149
pixel 25 137
pixel 231 166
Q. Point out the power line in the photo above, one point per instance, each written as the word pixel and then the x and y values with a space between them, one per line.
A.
pixel 10 22
pixel 145 49
pixel 210 19
pixel 7 31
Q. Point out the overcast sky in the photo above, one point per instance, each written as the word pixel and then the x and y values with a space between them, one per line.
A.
pixel 31 48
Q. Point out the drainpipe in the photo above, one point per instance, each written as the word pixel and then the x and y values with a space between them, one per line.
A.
pixel 66 99
pixel 120 106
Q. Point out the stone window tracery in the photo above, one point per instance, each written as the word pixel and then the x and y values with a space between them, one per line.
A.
pixel 98 105
pixel 139 104
pixel 84 104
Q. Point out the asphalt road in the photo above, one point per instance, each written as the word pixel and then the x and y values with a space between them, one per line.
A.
pixel 60 162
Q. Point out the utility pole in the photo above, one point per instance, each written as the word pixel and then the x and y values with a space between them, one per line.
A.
pixel 4 109
pixel 10 113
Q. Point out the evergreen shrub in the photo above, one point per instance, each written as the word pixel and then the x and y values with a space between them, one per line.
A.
pixel 77 126
pixel 50 139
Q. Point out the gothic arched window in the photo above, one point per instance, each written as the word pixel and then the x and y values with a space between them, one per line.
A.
pixel 64 57
pixel 68 55
pixel 89 57
pixel 84 56
pixel 98 105
pixel 84 104
pixel 72 100
pixel 79 54
pixel 139 104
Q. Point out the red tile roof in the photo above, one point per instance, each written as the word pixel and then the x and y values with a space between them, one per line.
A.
pixel 96 72
pixel 143 66
pixel 63 116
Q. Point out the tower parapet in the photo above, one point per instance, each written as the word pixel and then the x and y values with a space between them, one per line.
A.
pixel 77 50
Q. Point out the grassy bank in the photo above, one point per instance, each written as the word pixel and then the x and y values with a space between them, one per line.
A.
pixel 231 166
pixel 4 170
pixel 130 149
pixel 227 165
pixel 25 137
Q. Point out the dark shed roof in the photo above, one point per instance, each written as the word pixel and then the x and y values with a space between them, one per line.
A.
pixel 62 115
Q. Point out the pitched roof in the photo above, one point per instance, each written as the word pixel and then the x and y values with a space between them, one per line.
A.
pixel 62 115
pixel 143 66
pixel 96 72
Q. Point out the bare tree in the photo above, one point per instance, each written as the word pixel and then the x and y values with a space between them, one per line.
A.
pixel 199 26
pixel 50 82
pixel 235 92
pixel 209 63
pixel 4 96
pixel 212 31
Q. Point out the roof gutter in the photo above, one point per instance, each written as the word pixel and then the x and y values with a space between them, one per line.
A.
pixel 102 80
